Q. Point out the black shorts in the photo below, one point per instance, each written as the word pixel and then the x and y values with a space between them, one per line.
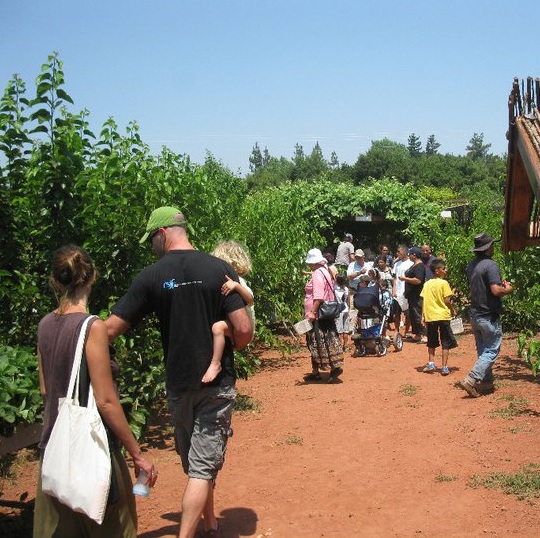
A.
pixel 436 329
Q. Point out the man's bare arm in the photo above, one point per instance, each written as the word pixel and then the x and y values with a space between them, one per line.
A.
pixel 116 326
pixel 241 325
pixel 500 290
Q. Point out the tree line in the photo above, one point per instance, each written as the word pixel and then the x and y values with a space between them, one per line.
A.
pixel 475 175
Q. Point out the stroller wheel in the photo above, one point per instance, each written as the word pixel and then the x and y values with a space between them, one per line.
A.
pixel 398 342
pixel 360 349
pixel 381 349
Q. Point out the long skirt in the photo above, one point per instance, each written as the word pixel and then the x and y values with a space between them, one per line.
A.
pixel 52 519
pixel 324 345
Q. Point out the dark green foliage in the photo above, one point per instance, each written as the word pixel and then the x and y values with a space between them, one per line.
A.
pixel 476 148
pixel 384 159
pixel 20 399
pixel 273 174
pixel 432 146
pixel 522 269
pixel 142 374
pixel 59 184
pixel 471 178
pixel 256 158
pixel 414 145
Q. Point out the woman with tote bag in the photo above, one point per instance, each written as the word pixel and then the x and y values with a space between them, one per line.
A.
pixel 73 275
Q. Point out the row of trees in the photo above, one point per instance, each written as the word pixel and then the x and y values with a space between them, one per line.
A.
pixel 60 182
pixel 476 149
pixel 476 175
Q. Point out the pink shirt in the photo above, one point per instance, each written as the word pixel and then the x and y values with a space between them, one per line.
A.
pixel 321 286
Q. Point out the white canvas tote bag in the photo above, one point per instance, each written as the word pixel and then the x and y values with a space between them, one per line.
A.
pixel 76 466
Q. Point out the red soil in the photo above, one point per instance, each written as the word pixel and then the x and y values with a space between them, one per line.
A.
pixel 389 452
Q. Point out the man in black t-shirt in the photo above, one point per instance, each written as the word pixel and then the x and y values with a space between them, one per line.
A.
pixel 414 279
pixel 183 289
pixel 487 290
pixel 427 259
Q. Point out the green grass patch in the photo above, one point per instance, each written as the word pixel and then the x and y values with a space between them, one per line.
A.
pixel 516 407
pixel 445 478
pixel 246 404
pixel 408 389
pixel 294 440
pixel 525 484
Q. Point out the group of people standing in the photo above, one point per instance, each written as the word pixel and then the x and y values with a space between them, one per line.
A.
pixel 422 303
pixel 403 276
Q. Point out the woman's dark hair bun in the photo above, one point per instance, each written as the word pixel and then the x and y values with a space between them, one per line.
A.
pixel 72 268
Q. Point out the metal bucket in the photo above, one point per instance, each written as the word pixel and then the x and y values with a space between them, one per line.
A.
pixel 456 324
pixel 302 327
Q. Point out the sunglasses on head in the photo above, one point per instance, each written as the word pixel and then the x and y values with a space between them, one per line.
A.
pixel 152 235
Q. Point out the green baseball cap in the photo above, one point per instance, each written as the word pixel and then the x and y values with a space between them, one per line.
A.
pixel 163 217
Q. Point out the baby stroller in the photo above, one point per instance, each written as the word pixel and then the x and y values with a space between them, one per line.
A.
pixel 374 307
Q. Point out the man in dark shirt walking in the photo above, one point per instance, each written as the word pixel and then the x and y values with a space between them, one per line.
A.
pixel 487 289
pixel 183 289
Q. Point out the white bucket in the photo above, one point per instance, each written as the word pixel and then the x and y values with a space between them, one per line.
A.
pixel 456 324
pixel 303 326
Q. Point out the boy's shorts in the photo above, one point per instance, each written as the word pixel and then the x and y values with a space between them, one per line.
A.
pixel 202 427
pixel 442 328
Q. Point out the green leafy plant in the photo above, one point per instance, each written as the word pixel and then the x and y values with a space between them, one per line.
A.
pixel 20 398
pixel 529 350
pixel 142 375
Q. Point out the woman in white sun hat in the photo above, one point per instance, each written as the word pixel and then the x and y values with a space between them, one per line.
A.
pixel 322 340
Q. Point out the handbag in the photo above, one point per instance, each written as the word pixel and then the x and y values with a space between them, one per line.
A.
pixel 330 309
pixel 76 467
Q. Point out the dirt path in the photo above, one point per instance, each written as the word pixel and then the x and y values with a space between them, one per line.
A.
pixel 389 452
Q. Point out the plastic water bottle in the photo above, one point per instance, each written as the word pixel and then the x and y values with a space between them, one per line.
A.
pixel 140 487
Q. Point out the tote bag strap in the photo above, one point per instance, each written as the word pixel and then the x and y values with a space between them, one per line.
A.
pixel 74 378
pixel 328 282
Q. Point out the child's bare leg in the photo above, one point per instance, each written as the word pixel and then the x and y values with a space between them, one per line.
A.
pixel 445 353
pixel 397 322
pixel 407 323
pixel 220 330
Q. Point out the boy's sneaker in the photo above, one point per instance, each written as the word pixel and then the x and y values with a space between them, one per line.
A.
pixel 445 370
pixel 429 368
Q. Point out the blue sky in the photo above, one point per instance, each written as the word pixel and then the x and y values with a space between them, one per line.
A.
pixel 221 75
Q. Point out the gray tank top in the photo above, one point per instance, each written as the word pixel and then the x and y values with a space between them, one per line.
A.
pixel 57 340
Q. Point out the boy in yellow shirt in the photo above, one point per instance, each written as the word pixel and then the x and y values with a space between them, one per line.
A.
pixel 437 312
